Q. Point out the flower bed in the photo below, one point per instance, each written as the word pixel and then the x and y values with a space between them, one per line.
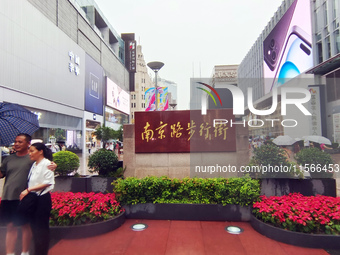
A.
pixel 80 215
pixel 295 212
pixel 69 209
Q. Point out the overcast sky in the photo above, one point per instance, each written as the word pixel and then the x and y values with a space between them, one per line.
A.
pixel 190 36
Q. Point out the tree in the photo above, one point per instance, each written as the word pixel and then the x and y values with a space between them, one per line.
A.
pixel 104 134
pixel 118 134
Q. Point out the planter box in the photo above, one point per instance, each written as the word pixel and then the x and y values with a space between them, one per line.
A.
pixel 69 183
pixel 295 238
pixel 100 184
pixel 87 230
pixel 201 212
pixel 83 184
pixel 307 187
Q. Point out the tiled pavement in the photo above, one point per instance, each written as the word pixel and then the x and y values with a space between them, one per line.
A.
pixel 179 237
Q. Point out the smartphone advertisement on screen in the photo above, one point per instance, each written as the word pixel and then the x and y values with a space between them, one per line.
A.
pixel 288 47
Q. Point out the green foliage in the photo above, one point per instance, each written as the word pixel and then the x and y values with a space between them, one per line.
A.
pixel 60 134
pixel 118 134
pixel 316 162
pixel 104 134
pixel 119 173
pixel 241 191
pixel 67 162
pixel 270 155
pixel 103 162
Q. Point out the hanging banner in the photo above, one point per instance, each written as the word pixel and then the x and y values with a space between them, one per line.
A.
pixel 163 103
pixel 150 100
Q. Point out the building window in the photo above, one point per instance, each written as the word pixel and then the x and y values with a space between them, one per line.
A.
pixel 337 84
pixel 328 47
pixel 325 14
pixel 335 8
pixel 337 41
pixel 131 105
pixel 319 47
pixel 332 93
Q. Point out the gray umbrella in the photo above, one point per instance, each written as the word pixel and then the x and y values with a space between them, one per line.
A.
pixel 317 139
pixel 284 140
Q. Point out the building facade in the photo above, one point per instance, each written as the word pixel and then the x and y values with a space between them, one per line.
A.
pixel 142 83
pixel 299 48
pixel 56 59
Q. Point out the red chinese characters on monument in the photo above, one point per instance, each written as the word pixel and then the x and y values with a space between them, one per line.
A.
pixel 184 131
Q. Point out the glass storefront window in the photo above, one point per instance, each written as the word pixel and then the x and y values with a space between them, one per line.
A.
pixel 71 139
pixel 115 119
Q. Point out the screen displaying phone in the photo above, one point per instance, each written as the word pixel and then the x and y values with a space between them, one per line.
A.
pixel 297 58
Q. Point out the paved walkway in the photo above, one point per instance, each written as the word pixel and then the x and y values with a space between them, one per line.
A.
pixel 180 238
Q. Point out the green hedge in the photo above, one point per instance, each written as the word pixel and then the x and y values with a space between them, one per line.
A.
pixel 240 191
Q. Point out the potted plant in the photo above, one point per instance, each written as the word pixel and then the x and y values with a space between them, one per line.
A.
pixel 104 163
pixel 67 165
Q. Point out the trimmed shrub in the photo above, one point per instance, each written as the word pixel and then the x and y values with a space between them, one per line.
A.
pixel 104 162
pixel 317 162
pixel 272 163
pixel 67 162
pixel 239 191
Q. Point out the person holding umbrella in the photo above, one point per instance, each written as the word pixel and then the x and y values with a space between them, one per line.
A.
pixel 16 168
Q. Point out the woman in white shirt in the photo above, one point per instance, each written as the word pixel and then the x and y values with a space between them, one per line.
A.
pixel 40 181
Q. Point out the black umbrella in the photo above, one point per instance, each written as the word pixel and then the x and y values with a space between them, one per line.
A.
pixel 15 119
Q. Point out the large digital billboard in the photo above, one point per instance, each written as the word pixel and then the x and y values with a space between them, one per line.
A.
pixel 288 47
pixel 116 97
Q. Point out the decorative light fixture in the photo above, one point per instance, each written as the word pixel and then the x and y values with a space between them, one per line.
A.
pixel 156 66
pixel 234 230
pixel 139 227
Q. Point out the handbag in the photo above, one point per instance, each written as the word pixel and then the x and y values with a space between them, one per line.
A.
pixel 26 209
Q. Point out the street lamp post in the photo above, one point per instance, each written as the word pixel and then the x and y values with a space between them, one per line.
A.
pixel 156 66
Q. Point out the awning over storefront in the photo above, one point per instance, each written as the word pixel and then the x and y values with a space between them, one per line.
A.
pixel 326 66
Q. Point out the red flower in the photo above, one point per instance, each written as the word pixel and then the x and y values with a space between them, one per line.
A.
pixel 80 208
pixel 315 214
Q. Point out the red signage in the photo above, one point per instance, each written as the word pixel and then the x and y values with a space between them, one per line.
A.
pixel 184 131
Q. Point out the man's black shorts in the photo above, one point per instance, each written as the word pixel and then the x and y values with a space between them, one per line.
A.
pixel 8 211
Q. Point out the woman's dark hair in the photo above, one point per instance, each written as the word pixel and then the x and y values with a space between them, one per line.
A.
pixel 46 151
